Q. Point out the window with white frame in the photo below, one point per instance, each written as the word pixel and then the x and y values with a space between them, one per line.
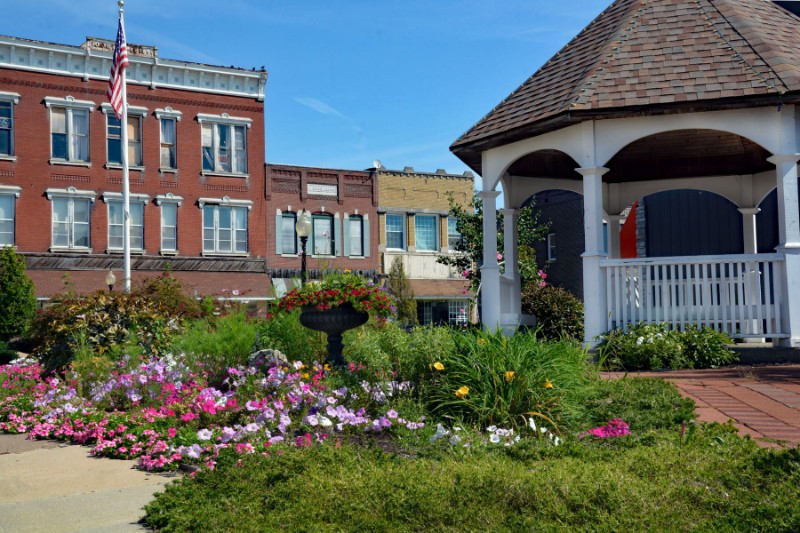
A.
pixel 224 143
pixel 7 103
pixel 69 129
pixel 115 220
pixel 288 231
pixel 426 231
pixel 225 225
pixel 114 140
pixel 169 205
pixel 322 234
pixel 8 198
pixel 168 125
pixel 71 217
pixel 355 233
pixel 458 311
pixel 395 234
pixel 551 246
pixel 454 238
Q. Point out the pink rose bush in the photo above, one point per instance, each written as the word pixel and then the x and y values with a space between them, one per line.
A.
pixel 164 413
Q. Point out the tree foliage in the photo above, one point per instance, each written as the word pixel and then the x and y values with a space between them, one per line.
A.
pixel 468 254
pixel 17 295
pixel 401 290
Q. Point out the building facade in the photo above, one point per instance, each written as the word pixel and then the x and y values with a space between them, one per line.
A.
pixel 196 152
pixel 414 228
pixel 343 206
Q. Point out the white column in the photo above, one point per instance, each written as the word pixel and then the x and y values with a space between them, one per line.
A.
pixel 594 282
pixel 511 258
pixel 749 229
pixel 789 236
pixel 490 271
pixel 614 228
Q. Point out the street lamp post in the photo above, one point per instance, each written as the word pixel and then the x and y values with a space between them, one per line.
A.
pixel 303 227
pixel 111 279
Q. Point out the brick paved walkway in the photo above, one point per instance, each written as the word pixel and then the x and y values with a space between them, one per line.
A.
pixel 763 401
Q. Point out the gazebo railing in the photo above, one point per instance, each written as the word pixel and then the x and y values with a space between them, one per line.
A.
pixel 736 294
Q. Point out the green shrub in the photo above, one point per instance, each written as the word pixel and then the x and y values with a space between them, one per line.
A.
pixel 493 379
pixel 17 295
pixel 715 482
pixel 6 354
pixel 283 331
pixel 559 313
pixel 655 346
pixel 218 342
pixel 706 348
pixel 107 324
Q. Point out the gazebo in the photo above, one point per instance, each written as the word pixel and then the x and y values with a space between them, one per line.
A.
pixel 656 95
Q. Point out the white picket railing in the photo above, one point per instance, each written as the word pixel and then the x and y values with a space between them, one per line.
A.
pixel 738 294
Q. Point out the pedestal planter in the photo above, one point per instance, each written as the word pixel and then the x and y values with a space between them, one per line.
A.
pixel 334 322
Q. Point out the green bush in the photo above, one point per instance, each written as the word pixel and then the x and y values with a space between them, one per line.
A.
pixel 713 482
pixel 283 331
pixel 559 313
pixel 6 354
pixel 493 379
pixel 218 342
pixel 17 295
pixel 656 346
pixel 110 324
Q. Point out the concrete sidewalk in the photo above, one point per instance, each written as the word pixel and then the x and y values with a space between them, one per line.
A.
pixel 763 401
pixel 50 487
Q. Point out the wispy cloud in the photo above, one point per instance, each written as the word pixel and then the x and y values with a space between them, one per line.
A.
pixel 325 109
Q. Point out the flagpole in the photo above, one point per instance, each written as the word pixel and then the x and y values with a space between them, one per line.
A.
pixel 126 192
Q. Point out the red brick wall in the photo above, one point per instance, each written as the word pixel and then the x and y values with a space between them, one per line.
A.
pixel 35 174
pixel 287 188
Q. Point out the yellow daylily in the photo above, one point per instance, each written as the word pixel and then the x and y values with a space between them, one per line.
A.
pixel 438 366
pixel 547 384
pixel 462 392
pixel 510 375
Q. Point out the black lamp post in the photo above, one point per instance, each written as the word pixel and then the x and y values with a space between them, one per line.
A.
pixel 111 279
pixel 303 227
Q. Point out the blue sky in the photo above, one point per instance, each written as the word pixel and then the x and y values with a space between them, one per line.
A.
pixel 350 81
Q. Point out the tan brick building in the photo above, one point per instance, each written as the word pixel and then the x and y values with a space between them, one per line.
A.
pixel 196 151
pixel 414 227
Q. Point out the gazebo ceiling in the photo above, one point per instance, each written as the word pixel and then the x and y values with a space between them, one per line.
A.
pixel 674 154
pixel 647 57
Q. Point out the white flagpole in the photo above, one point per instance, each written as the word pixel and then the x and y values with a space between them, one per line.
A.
pixel 126 192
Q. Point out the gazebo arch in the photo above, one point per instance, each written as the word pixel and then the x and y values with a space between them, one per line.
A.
pixel 613 100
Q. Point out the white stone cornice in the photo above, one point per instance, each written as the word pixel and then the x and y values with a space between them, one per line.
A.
pixel 9 96
pixel 168 112
pixel 226 201
pixel 70 192
pixel 10 189
pixel 132 109
pixel 224 118
pixel 169 198
pixel 117 197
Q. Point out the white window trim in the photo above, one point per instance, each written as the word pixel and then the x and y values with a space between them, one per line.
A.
pixel 71 103
pixel 132 110
pixel 227 202
pixel 224 118
pixel 70 192
pixel 404 225
pixel 14 99
pixel 140 112
pixel 169 198
pixel 168 112
pixel 436 233
pixel 160 200
pixel 227 120
pixel 10 189
pixel 117 197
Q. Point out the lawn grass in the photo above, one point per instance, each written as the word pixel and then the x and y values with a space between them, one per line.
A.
pixel 715 481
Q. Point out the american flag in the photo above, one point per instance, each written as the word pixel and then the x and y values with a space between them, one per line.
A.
pixel 118 65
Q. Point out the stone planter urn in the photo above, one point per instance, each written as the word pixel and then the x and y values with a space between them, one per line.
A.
pixel 334 322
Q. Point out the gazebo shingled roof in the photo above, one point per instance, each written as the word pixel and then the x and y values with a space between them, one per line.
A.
pixel 652 56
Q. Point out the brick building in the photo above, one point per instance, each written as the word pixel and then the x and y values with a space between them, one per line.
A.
pixel 196 152
pixel 414 228
pixel 343 204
